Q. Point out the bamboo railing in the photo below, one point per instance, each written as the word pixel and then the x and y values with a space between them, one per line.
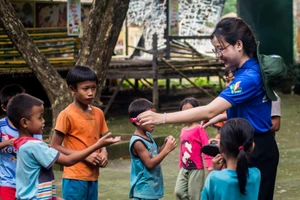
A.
pixel 60 49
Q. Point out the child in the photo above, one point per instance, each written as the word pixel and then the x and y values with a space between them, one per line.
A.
pixel 238 181
pixel 191 177
pixel 79 126
pixel 212 149
pixel 34 175
pixel 146 180
pixel 276 115
pixel 9 133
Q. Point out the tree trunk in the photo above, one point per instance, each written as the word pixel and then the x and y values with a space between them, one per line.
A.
pixel 99 39
pixel 54 86
pixel 101 35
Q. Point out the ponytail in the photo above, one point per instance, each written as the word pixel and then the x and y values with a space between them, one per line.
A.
pixel 242 170
pixel 237 142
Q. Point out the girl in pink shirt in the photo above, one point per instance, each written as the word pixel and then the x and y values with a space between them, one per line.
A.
pixel 191 176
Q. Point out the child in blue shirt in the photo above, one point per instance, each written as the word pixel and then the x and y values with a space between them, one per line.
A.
pixel 238 181
pixel 8 133
pixel 146 180
pixel 34 175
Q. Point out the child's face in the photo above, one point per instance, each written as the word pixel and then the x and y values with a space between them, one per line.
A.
pixel 148 127
pixel 229 78
pixel 187 106
pixel 85 92
pixel 36 122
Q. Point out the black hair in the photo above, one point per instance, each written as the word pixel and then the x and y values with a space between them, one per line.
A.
pixel 236 141
pixel 232 29
pixel 191 100
pixel 20 106
pixel 138 106
pixel 228 70
pixel 80 74
pixel 8 91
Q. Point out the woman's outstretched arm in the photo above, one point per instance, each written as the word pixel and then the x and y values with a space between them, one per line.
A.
pixel 217 106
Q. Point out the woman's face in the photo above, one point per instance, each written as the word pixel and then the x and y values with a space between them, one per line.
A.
pixel 229 55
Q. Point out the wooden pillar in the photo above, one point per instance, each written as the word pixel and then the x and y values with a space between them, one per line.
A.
pixel 167 86
pixel 126 37
pixel 155 73
pixel 168 48
pixel 136 84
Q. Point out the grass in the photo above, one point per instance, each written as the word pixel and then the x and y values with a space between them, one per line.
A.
pixel 114 179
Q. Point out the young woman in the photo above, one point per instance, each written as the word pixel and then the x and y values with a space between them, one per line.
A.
pixel 235 46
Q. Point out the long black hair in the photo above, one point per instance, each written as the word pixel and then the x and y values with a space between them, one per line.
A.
pixel 236 141
pixel 232 29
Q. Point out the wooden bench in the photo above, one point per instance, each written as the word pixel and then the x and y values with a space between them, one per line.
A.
pixel 60 49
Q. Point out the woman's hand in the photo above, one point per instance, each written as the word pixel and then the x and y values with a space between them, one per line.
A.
pixel 150 117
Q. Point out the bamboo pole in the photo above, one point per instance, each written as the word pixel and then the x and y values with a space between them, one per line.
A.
pixel 47 41
pixel 39 34
pixel 195 50
pixel 187 78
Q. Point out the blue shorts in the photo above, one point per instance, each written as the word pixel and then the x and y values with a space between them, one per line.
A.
pixel 77 189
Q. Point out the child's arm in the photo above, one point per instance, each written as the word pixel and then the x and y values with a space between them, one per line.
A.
pixel 103 157
pixel 6 143
pixel 276 123
pixel 143 153
pixel 77 156
pixel 164 144
pixel 204 140
pixel 56 143
pixel 216 119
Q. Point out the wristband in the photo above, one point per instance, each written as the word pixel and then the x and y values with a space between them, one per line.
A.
pixel 165 119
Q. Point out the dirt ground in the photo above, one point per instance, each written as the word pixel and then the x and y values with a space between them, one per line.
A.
pixel 114 179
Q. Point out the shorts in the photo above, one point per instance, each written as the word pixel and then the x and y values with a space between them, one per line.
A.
pixel 78 189
pixel 7 193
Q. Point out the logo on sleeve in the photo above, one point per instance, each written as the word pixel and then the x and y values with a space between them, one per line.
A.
pixel 235 88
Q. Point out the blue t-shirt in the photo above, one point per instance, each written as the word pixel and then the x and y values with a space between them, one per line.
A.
pixel 223 185
pixel 248 98
pixel 145 183
pixel 8 159
pixel 35 178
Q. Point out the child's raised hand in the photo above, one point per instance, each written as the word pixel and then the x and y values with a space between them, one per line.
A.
pixel 203 123
pixel 171 143
pixel 107 140
pixel 218 162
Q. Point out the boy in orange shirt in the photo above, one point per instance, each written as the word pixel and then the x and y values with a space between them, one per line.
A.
pixel 79 126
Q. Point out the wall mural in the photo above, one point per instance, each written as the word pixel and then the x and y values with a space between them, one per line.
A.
pixel 199 17
pixel 149 14
pixel 51 15
pixel 195 17
pixel 25 12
